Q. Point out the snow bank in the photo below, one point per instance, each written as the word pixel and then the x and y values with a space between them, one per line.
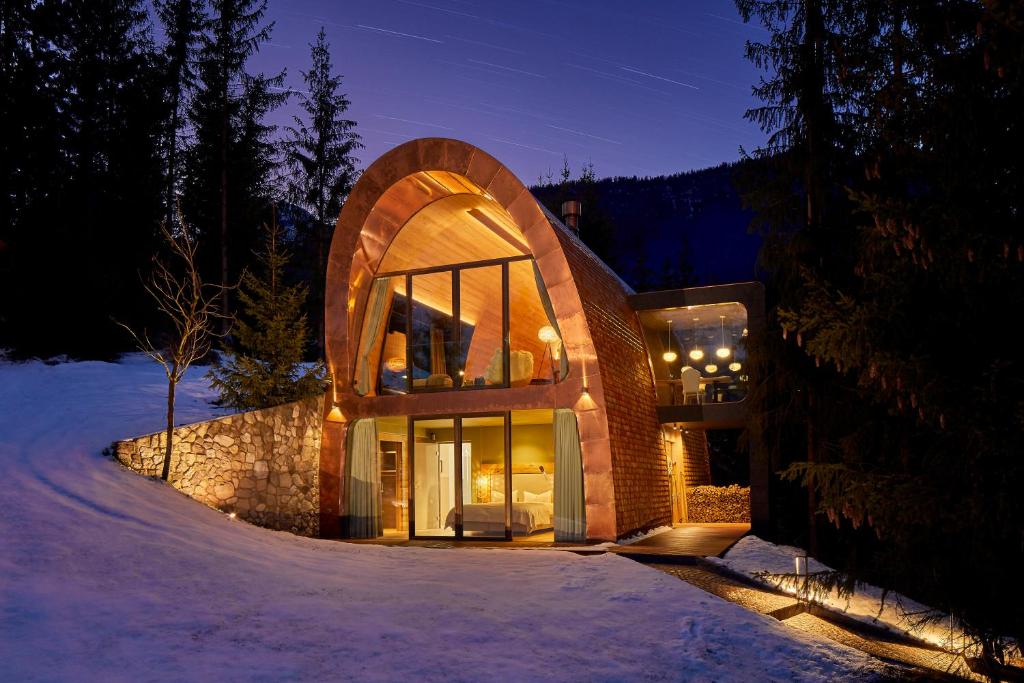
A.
pixel 753 556
pixel 108 576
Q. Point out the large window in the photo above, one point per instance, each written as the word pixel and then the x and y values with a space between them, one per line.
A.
pixel 484 476
pixel 470 326
pixel 698 353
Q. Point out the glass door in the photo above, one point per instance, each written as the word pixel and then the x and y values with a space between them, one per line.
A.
pixel 460 477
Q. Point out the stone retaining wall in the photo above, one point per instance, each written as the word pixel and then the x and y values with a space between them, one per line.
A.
pixel 261 465
pixel 706 504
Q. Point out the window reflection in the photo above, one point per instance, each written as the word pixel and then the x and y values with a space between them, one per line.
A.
pixel 434 361
pixel 482 356
pixel 699 353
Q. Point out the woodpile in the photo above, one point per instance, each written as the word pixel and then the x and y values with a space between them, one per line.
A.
pixel 718 504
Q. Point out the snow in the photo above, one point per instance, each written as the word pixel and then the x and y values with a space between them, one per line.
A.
pixel 755 557
pixel 109 576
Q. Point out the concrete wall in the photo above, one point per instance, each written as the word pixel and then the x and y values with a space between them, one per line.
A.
pixel 262 465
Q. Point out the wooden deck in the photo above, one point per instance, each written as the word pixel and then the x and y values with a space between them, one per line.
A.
pixel 684 543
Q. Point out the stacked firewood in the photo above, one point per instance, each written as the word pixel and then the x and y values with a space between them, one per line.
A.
pixel 718 504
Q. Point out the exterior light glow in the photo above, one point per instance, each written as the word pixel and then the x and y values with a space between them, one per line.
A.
pixel 735 366
pixel 711 368
pixel 336 415
pixel 547 334
pixel 232 515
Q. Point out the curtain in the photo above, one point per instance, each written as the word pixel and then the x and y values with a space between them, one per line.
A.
pixel 570 518
pixel 437 362
pixel 373 327
pixel 362 480
pixel 542 291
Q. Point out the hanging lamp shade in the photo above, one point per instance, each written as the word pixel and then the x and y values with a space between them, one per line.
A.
pixel 670 356
pixel 735 366
pixel 723 351
pixel 697 354
pixel 711 368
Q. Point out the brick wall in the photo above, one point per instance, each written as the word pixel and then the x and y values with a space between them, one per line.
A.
pixel 696 463
pixel 262 465
pixel 640 475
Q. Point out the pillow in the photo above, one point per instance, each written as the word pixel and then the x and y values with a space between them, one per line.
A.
pixel 537 497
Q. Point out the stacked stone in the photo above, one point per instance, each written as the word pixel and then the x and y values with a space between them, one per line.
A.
pixel 706 504
pixel 262 465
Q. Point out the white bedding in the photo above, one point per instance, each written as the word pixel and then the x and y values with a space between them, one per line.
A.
pixel 527 518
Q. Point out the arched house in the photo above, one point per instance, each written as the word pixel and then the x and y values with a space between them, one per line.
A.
pixel 490 378
pixel 450 407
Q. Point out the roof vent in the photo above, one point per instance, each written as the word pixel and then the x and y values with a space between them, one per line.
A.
pixel 571 215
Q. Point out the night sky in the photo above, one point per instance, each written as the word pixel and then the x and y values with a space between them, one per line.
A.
pixel 638 88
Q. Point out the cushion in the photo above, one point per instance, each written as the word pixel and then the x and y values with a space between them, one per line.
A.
pixel 520 367
pixel 537 497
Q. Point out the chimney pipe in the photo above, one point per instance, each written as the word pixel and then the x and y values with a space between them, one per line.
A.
pixel 571 210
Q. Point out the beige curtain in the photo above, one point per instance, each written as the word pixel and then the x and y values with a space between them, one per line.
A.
pixel 362 480
pixel 373 327
pixel 570 517
pixel 438 366
pixel 549 311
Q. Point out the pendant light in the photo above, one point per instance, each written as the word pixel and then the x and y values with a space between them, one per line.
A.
pixel 735 366
pixel 723 351
pixel 670 356
pixel 697 353
pixel 711 368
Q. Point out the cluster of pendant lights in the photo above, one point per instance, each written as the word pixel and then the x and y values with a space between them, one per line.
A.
pixel 697 353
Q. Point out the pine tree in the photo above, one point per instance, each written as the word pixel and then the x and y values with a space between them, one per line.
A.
pixel 229 164
pixel 888 302
pixel 264 367
pixel 320 154
pixel 182 22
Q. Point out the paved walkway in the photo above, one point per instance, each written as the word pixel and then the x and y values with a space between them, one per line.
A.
pixel 685 542
pixel 908 658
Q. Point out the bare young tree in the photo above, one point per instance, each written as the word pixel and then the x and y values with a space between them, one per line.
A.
pixel 190 307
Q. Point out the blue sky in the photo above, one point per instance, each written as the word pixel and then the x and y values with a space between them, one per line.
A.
pixel 641 88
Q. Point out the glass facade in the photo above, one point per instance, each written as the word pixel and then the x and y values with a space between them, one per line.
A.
pixel 698 353
pixel 470 326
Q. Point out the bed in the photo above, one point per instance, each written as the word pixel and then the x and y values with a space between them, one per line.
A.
pixel 528 516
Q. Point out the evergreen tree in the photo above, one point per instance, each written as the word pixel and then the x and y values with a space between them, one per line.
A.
pixel 264 367
pixel 889 284
pixel 182 22
pixel 320 154
pixel 227 185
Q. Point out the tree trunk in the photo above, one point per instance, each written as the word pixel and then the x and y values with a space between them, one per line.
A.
pixel 224 217
pixel 171 383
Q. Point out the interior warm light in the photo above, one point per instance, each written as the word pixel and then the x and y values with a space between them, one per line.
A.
pixel 232 515
pixel 336 415
pixel 547 334
pixel 670 356
pixel 711 368
pixel 395 364
pixel 735 366
pixel 723 351
pixel 697 354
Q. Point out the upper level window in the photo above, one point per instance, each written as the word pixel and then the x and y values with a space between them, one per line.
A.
pixel 698 353
pixel 469 326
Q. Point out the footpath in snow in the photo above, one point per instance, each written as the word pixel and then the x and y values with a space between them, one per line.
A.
pixel 108 576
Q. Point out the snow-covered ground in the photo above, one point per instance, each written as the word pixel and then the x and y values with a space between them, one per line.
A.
pixel 768 563
pixel 108 576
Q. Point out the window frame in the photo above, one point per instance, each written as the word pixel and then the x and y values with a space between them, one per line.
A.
pixel 456 271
